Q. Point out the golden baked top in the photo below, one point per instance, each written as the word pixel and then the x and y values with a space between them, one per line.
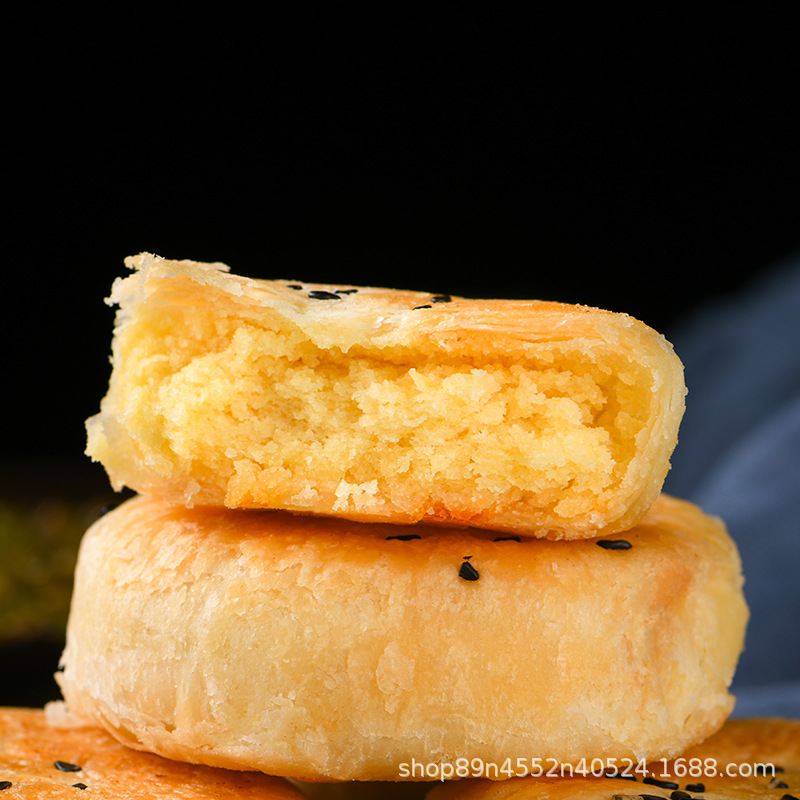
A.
pixel 53 755
pixel 377 404
pixel 748 759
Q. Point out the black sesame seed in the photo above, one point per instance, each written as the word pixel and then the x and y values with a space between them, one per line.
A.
pixel 296 286
pixel 79 786
pixel 346 291
pixel 788 797
pixel 418 307
pixel 679 795
pixel 318 294
pixel 695 787
pixel 614 544
pixel 405 537
pixel 5 785
pixel 65 766
pixel 468 572
pixel 660 784
pixel 508 539
pixel 778 769
pixel 777 783
pixel 441 298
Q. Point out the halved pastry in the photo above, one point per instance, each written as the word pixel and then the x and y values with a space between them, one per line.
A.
pixel 383 405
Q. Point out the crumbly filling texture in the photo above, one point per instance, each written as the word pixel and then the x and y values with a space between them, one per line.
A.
pixel 206 395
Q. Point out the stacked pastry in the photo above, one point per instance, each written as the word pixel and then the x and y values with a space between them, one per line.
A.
pixel 379 532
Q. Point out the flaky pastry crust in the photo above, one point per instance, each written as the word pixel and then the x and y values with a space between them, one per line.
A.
pixel 383 405
pixel 49 755
pixel 325 649
pixel 748 759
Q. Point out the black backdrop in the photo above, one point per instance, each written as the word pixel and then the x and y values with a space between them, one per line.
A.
pixel 645 163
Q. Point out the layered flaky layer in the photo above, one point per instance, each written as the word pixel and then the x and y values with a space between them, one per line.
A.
pixel 319 648
pixel 50 755
pixel 382 405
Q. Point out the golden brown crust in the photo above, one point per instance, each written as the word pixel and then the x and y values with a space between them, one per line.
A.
pixel 319 648
pixel 39 752
pixel 746 760
pixel 385 405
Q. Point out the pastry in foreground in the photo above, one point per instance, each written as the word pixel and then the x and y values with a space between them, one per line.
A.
pixel 382 405
pixel 748 759
pixel 49 754
pixel 319 648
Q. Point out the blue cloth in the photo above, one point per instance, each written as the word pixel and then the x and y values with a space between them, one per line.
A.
pixel 738 457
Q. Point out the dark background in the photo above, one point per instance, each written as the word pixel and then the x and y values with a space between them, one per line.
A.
pixel 639 162
pixel 645 162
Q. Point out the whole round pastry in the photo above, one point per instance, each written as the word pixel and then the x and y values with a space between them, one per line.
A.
pixel 49 754
pixel 325 649
pixel 748 759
